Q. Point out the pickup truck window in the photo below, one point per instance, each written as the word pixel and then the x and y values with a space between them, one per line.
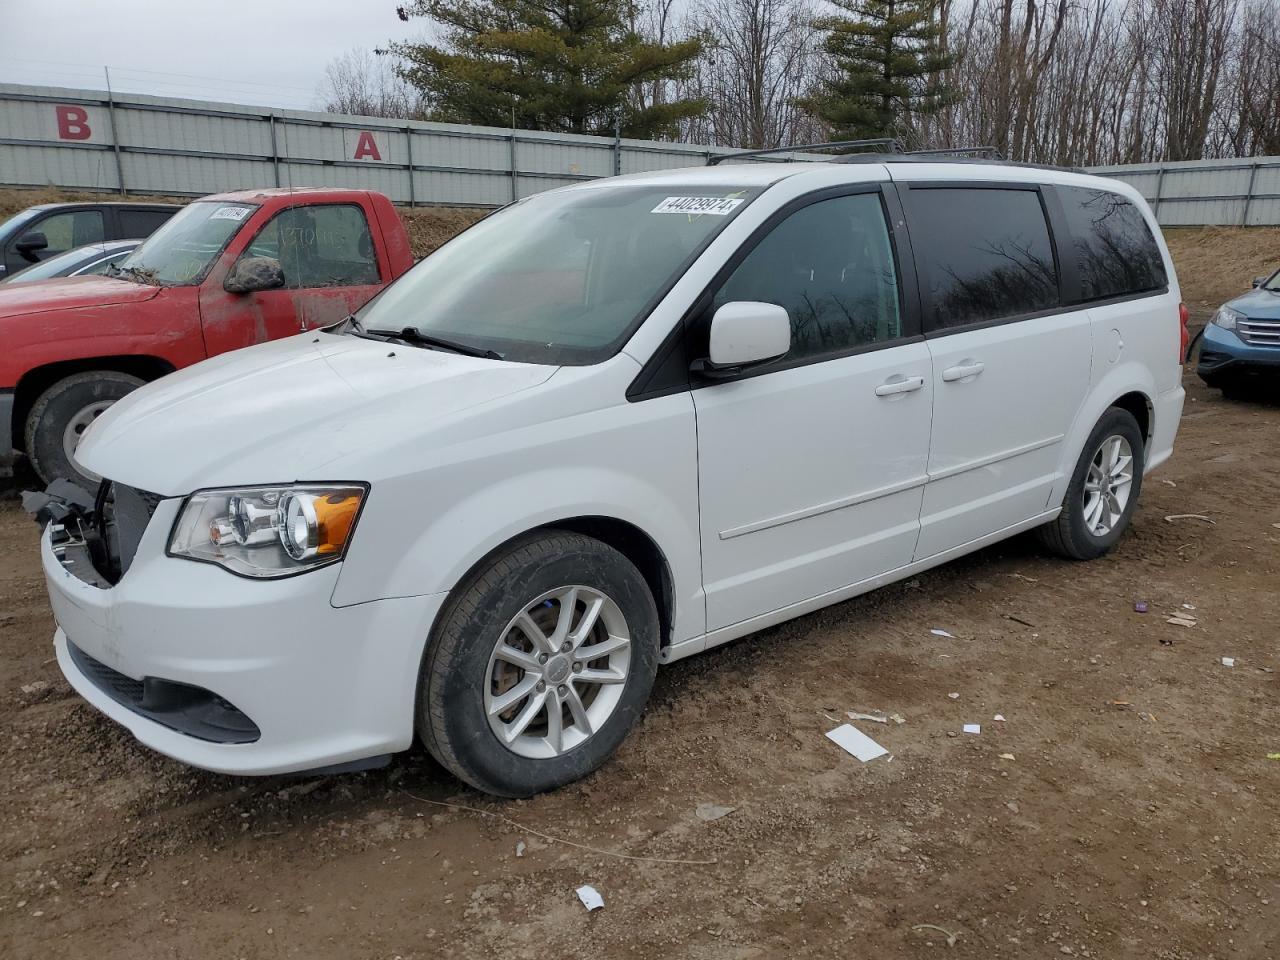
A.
pixel 180 252
pixel 319 245
pixel 559 278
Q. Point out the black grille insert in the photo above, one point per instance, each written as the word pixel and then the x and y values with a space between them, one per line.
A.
pixel 191 710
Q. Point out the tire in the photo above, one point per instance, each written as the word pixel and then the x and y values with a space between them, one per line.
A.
pixel 465 677
pixel 71 402
pixel 1072 534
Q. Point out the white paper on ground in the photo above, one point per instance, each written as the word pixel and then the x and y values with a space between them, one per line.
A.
pixel 998 716
pixel 973 728
pixel 1228 661
pixel 856 742
pixel 942 633
pixel 590 897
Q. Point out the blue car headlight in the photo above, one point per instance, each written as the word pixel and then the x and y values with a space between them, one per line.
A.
pixel 1227 318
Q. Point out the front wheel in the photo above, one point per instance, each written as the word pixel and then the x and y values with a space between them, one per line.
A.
pixel 60 417
pixel 540 665
pixel 1103 492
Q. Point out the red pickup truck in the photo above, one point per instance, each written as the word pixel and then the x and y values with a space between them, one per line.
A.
pixel 227 271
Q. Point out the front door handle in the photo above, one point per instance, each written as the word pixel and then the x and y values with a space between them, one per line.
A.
pixel 964 370
pixel 899 384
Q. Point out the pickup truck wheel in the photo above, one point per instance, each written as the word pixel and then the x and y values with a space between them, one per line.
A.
pixel 61 415
pixel 1103 492
pixel 539 666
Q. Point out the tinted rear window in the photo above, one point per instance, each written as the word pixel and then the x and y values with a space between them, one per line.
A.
pixel 1114 251
pixel 140 224
pixel 984 254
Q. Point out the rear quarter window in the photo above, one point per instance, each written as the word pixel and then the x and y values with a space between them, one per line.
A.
pixel 1114 251
pixel 984 253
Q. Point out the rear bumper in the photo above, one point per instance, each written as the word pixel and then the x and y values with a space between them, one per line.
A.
pixel 6 433
pixel 1224 356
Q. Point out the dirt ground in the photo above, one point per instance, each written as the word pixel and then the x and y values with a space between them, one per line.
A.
pixel 1125 806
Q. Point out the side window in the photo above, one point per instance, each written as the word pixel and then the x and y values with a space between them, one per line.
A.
pixel 983 254
pixel 140 224
pixel 324 245
pixel 1114 251
pixel 831 266
pixel 66 231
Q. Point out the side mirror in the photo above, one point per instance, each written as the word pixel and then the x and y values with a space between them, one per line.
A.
pixel 251 274
pixel 1259 281
pixel 745 333
pixel 29 243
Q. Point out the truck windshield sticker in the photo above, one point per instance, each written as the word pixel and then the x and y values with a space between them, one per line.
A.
pixel 715 206
pixel 230 213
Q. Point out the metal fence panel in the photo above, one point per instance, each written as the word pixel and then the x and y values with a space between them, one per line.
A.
pixel 81 139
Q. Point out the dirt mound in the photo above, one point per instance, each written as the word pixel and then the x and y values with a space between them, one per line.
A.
pixel 1217 263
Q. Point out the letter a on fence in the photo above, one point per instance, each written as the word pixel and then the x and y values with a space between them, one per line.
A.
pixel 367 147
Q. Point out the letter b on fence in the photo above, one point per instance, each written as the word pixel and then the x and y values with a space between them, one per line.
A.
pixel 73 123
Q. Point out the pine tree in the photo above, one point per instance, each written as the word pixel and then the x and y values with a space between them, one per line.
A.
pixel 569 66
pixel 889 61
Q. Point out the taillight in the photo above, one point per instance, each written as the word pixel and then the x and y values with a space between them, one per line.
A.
pixel 1184 337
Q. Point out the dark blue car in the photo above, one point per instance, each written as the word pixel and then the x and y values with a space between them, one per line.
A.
pixel 1241 344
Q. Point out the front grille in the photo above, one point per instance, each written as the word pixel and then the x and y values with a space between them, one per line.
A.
pixel 1259 333
pixel 123 513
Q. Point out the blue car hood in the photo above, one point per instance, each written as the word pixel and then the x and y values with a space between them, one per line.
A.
pixel 1258 305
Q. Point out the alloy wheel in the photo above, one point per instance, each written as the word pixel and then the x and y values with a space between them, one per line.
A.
pixel 557 672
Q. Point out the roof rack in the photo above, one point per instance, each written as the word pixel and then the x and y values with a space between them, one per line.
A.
pixel 987 153
pixel 886 144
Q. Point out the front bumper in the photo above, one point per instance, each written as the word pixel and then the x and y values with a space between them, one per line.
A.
pixel 323 685
pixel 1225 357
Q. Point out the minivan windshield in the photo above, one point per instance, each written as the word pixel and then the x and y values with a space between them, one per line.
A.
pixel 558 278
pixel 1273 285
pixel 182 248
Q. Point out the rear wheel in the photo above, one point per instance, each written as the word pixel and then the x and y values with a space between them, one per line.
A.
pixel 1104 489
pixel 540 665
pixel 61 415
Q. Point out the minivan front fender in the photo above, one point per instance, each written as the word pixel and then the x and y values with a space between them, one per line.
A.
pixel 634 463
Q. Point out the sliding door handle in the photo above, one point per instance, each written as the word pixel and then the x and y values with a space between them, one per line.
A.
pixel 899 384
pixel 965 370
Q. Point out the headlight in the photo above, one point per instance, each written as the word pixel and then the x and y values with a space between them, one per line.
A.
pixel 1226 318
pixel 268 531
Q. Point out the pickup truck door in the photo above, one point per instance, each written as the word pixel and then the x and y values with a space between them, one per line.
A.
pixel 331 267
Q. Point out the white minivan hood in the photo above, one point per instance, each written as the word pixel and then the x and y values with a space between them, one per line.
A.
pixel 293 409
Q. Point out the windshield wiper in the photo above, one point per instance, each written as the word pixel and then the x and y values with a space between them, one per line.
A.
pixel 416 336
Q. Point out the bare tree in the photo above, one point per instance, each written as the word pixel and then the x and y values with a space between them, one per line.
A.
pixel 367 84
pixel 762 56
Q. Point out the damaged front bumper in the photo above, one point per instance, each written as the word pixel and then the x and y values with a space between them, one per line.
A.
pixel 231 674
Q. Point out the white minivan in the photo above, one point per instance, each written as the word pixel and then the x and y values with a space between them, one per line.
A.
pixel 608 427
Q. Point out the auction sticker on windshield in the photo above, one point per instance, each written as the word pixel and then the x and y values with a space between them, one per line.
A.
pixel 716 206
pixel 229 213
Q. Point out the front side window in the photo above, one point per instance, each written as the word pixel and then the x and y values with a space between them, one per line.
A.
pixel 66 231
pixel 562 277
pixel 830 265
pixel 181 251
pixel 320 245
pixel 984 254
pixel 1115 253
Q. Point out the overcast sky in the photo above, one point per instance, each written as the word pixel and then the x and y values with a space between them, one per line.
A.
pixel 268 52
